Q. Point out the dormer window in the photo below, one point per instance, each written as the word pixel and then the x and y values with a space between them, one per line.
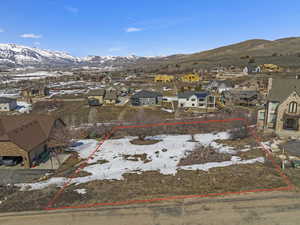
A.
pixel 293 107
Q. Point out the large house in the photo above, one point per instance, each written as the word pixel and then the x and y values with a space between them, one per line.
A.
pixel 281 112
pixel 96 94
pixel 192 99
pixel 240 97
pixel 251 69
pixel 220 85
pixel 163 78
pixel 146 98
pixel 35 91
pixel 110 98
pixel 190 78
pixel 7 104
pixel 27 138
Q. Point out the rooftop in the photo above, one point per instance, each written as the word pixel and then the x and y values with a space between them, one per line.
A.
pixel 282 88
pixel 6 100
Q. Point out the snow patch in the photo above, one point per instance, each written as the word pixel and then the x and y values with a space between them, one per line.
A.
pixel 81 191
pixel 162 156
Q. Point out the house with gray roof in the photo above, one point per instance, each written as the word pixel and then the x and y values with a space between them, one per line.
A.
pixel 240 97
pixel 281 112
pixel 192 99
pixel 7 104
pixel 146 98
pixel 251 69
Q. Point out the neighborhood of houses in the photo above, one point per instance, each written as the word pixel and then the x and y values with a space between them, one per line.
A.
pixel 41 139
pixel 275 100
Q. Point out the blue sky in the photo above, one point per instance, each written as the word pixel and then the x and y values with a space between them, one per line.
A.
pixel 144 27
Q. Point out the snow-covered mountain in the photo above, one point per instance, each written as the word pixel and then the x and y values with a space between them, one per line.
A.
pixel 12 55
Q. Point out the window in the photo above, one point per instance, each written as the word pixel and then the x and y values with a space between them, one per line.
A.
pixel 261 115
pixel 291 124
pixel 272 118
pixel 193 99
pixel 293 107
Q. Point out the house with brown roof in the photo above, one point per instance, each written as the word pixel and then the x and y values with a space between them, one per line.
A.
pixel 281 113
pixel 27 137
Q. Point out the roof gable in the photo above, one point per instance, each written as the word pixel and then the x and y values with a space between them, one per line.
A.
pixel 282 89
pixel 147 94
pixel 26 131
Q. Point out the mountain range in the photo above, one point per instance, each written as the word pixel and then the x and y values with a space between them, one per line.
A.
pixel 284 52
pixel 12 55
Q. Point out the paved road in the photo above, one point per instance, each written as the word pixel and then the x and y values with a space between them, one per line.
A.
pixel 277 208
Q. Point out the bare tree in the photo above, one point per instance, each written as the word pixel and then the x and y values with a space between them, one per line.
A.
pixel 59 137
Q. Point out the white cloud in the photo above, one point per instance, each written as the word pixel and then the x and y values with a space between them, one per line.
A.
pixel 34 36
pixel 133 29
pixel 2 30
pixel 72 9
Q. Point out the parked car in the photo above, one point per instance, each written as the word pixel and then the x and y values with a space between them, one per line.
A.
pixel 10 161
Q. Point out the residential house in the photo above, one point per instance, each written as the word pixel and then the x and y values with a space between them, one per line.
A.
pixel 163 78
pixel 28 137
pixel 281 112
pixel 110 98
pixel 190 78
pixel 251 69
pixel 146 98
pixel 229 75
pixel 240 97
pixel 7 104
pixel 192 99
pixel 96 94
pixel 270 68
pixel 36 91
pixel 220 85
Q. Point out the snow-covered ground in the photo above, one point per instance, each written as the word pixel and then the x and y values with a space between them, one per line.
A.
pixel 80 191
pixel 16 77
pixel 163 156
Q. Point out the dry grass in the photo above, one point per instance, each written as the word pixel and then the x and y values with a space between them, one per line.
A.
pixel 138 141
pixel 153 184
pixel 203 155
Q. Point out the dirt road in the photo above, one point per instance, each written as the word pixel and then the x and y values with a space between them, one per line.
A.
pixel 260 209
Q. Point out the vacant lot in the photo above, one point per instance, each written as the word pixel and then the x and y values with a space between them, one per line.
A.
pixel 125 171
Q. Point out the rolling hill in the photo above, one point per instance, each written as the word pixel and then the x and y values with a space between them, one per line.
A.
pixel 284 52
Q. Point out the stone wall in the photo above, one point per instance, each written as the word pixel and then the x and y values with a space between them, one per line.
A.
pixel 282 110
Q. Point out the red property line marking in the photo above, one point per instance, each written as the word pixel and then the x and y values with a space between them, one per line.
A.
pixel 79 169
pixel 276 166
pixel 169 198
pixel 257 139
